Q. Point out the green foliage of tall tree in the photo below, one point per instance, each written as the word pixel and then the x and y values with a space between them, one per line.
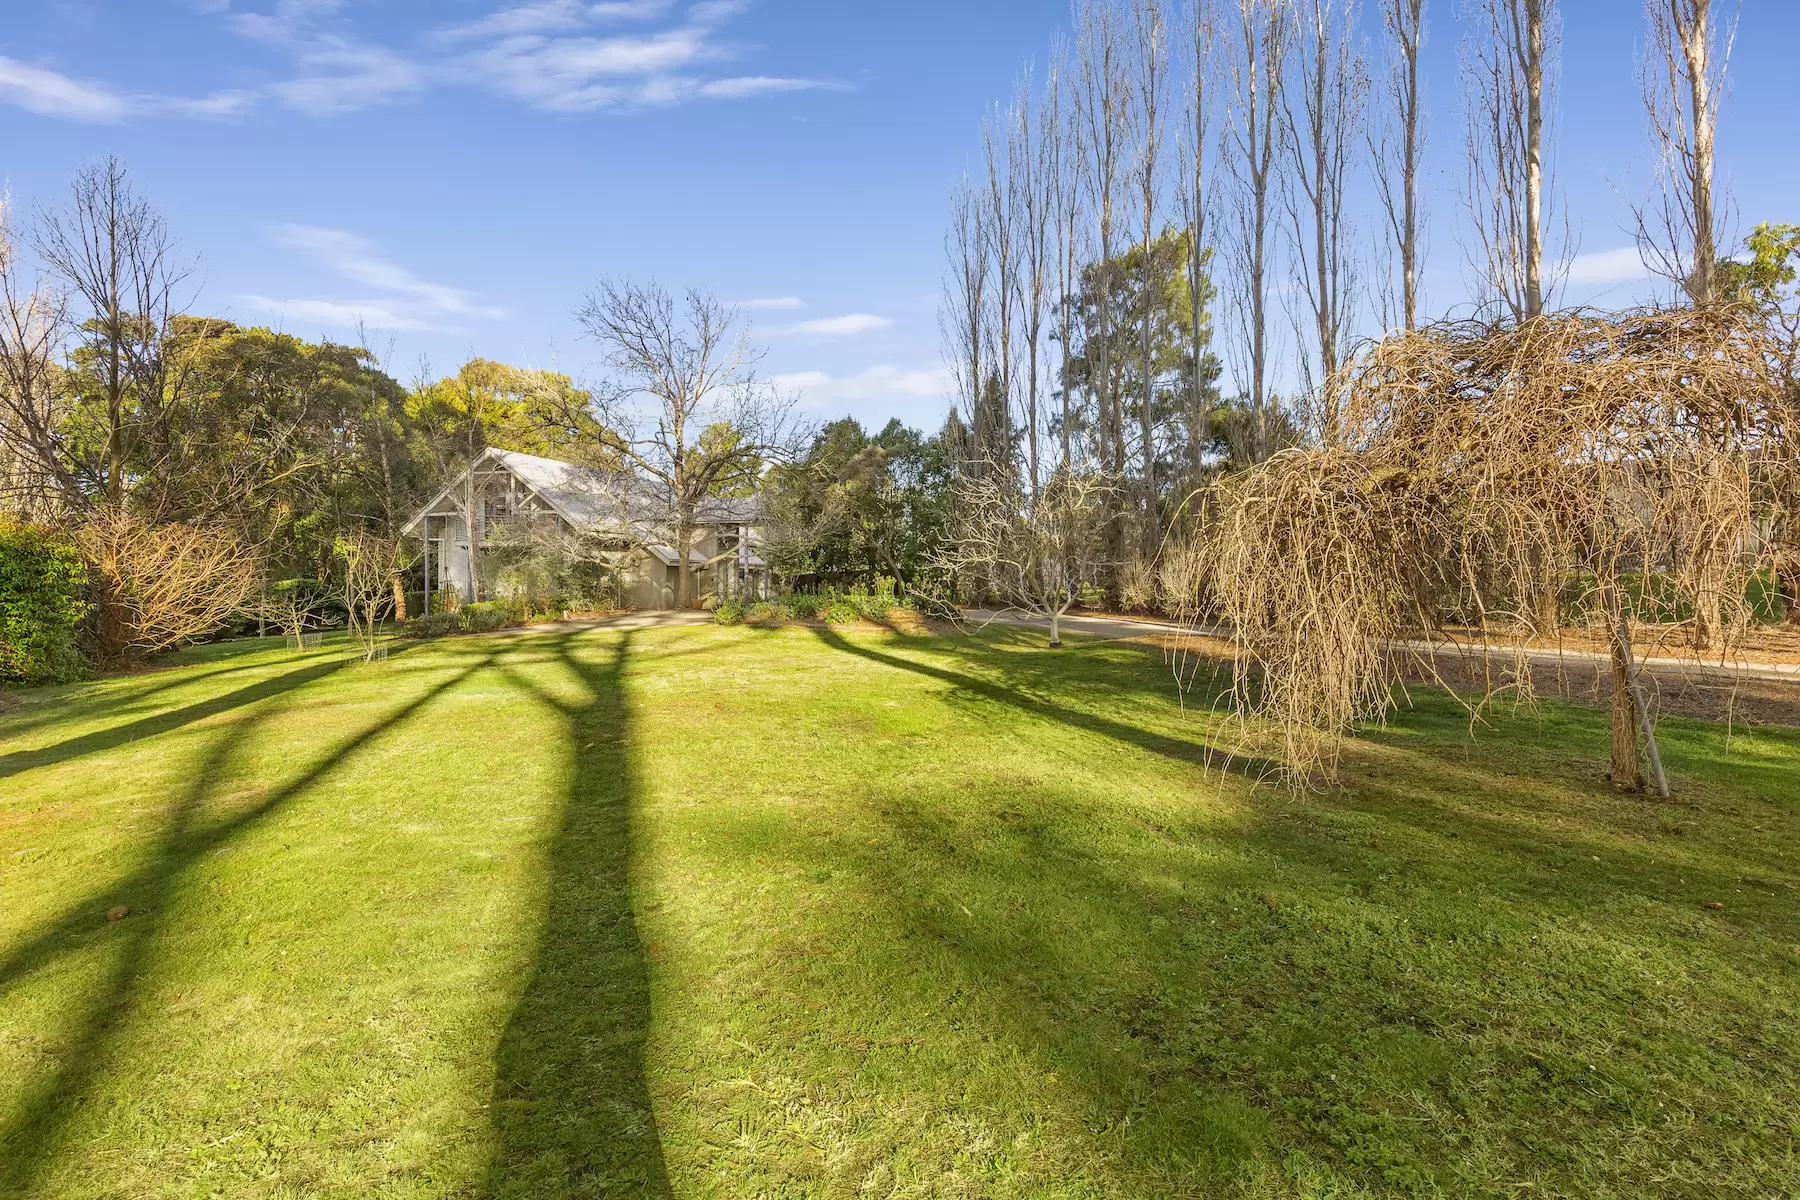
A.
pixel 1150 285
pixel 490 404
pixel 1767 276
pixel 856 507
pixel 1769 279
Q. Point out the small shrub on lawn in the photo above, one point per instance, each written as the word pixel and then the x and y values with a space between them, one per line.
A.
pixel 489 615
pixel 436 625
pixel 830 607
pixel 485 617
pixel 43 602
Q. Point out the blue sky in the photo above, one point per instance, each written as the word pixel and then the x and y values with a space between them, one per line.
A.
pixel 458 172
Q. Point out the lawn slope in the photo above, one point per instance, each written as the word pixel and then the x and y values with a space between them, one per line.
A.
pixel 798 912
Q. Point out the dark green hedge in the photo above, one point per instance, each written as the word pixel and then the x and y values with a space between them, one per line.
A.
pixel 44 590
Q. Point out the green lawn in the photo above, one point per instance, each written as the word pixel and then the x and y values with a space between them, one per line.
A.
pixel 737 912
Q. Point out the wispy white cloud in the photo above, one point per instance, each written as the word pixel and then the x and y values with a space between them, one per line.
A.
pixel 552 55
pixel 551 16
pixel 771 302
pixel 287 21
pixel 754 85
pixel 338 314
pixel 817 389
pixel 566 56
pixel 581 74
pixel 845 326
pixel 231 102
pixel 340 76
pixel 404 301
pixel 1604 268
pixel 356 259
pixel 50 93
pixel 334 73
pixel 40 90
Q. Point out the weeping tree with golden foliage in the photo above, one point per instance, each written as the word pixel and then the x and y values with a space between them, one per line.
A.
pixel 1629 464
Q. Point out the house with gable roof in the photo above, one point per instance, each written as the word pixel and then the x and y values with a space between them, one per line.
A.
pixel 506 499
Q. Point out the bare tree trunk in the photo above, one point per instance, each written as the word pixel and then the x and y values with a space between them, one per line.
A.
pixel 1002 243
pixel 1194 198
pixel 1062 141
pixel 1103 102
pixel 1260 53
pixel 1507 64
pixel 1102 108
pixel 471 518
pixel 1152 77
pixel 1532 62
pixel 1625 772
pixel 1682 74
pixel 1630 717
pixel 684 534
pixel 1790 593
pixel 966 307
pixel 1031 157
pixel 1405 24
pixel 1332 89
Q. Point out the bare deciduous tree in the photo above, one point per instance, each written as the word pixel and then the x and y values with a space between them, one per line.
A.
pixel 1103 101
pixel 711 422
pixel 371 564
pixel 289 609
pixel 1193 198
pixel 1331 85
pixel 991 420
pixel 1036 553
pixel 963 317
pixel 1509 84
pixel 163 585
pixel 36 475
pixel 1397 150
pixel 1032 155
pixel 1682 73
pixel 1063 156
pixel 1256 64
pixel 1151 77
pixel 111 251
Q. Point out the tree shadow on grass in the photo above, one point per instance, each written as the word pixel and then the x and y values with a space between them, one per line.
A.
pixel 116 695
pixel 1308 982
pixel 571 1112
pixel 167 721
pixel 1030 690
pixel 43 1106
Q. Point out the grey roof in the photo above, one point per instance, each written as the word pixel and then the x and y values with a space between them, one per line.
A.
pixel 587 498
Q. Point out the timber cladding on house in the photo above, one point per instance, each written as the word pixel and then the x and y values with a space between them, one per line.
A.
pixel 508 500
